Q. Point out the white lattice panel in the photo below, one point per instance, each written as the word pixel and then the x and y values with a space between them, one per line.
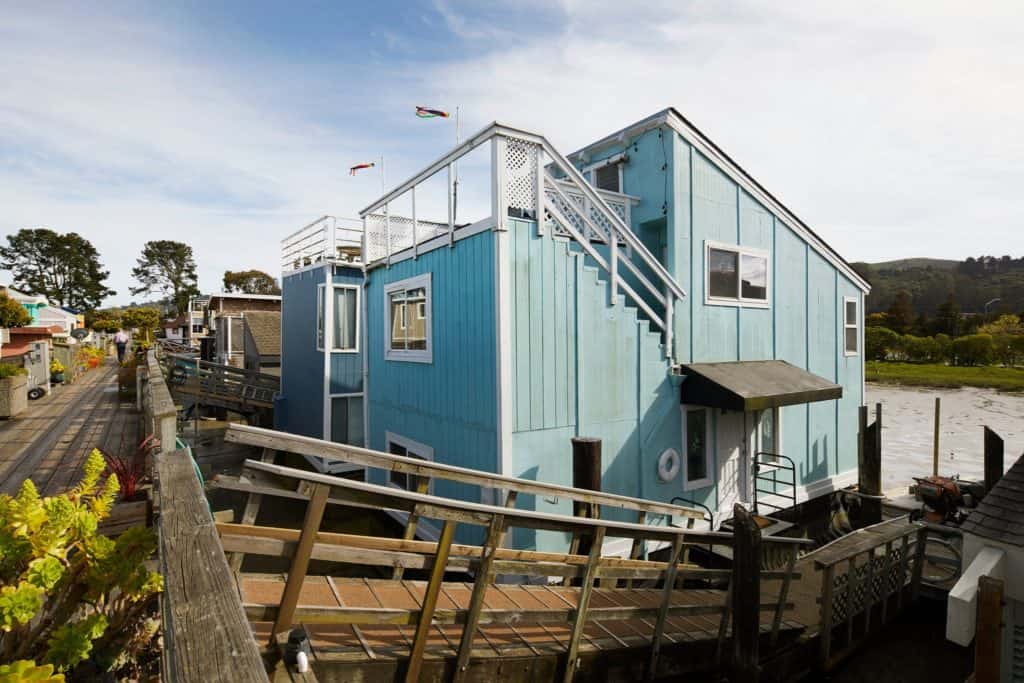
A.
pixel 401 233
pixel 521 174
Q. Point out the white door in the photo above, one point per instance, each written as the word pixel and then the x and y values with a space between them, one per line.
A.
pixel 733 477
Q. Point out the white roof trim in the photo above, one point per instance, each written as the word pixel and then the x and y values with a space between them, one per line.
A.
pixel 673 119
pixel 241 295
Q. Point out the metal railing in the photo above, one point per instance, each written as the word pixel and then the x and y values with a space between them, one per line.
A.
pixel 328 237
pixel 774 463
pixel 523 185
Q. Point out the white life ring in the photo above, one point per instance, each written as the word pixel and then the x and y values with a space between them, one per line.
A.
pixel 669 464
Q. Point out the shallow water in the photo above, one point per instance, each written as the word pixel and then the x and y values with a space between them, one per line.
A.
pixel 908 420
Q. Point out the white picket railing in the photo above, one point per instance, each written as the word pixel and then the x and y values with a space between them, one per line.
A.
pixel 328 237
pixel 523 185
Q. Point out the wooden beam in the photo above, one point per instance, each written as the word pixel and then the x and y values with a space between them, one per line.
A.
pixel 426 615
pixel 300 561
pixel 746 565
pixel 252 510
pixel 582 604
pixel 484 578
pixel 666 600
pixel 205 631
pixel 989 631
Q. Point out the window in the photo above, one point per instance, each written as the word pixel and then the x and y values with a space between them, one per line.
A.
pixel 851 327
pixel 737 276
pixel 607 178
pixel 344 336
pixel 696 443
pixel 409 320
pixel 769 427
pixel 197 328
pixel 399 445
pixel 347 420
pixel 345 330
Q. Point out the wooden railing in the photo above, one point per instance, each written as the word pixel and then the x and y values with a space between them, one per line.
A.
pixel 222 385
pixel 865 577
pixel 490 559
pixel 159 414
pixel 425 471
pixel 206 635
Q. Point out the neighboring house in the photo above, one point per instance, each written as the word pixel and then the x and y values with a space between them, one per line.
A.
pixel 22 338
pixel 33 303
pixel 55 315
pixel 667 304
pixel 993 545
pixel 223 319
pixel 176 329
pixel 262 341
pixel 197 318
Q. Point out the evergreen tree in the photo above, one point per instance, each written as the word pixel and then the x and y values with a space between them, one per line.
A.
pixel 64 268
pixel 169 268
pixel 901 313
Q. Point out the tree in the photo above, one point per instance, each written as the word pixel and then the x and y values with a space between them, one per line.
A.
pixel 901 313
pixel 947 317
pixel 973 349
pixel 12 314
pixel 167 267
pixel 879 342
pixel 64 268
pixel 250 282
pixel 144 320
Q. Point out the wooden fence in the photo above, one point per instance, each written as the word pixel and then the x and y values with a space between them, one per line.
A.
pixel 159 414
pixel 225 386
pixel 206 634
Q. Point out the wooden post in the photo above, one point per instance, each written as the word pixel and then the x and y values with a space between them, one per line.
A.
pixel 825 632
pixel 989 630
pixel 918 571
pixel 935 439
pixel 666 601
pixel 300 560
pixel 252 510
pixel 484 578
pixel 419 644
pixel 579 619
pixel 869 460
pixel 586 474
pixel 993 459
pixel 746 596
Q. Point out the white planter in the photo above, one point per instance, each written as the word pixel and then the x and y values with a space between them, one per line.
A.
pixel 13 395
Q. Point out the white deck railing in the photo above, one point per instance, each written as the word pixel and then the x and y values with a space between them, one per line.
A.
pixel 328 237
pixel 523 185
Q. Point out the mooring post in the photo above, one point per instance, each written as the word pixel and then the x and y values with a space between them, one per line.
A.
pixel 869 471
pixel 586 474
pixel 935 439
pixel 746 596
pixel 993 458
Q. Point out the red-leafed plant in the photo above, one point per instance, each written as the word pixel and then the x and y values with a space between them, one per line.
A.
pixel 131 471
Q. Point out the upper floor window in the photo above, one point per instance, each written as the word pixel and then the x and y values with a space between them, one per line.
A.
pixel 851 327
pixel 409 332
pixel 606 174
pixel 736 275
pixel 344 332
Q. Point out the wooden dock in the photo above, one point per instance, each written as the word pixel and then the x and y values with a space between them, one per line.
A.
pixel 50 441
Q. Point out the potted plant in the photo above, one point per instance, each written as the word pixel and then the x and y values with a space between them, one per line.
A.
pixel 13 390
pixel 133 506
pixel 56 372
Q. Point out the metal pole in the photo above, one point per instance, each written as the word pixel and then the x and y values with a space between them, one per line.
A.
pixel 935 440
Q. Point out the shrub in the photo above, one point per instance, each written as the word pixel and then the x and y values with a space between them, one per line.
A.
pixel 8 370
pixel 56 367
pixel 879 342
pixel 68 594
pixel 973 349
pixel 921 349
pixel 13 314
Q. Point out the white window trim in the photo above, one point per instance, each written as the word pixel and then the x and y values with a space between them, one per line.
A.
pixel 739 301
pixel 708 461
pixel 330 333
pixel 854 326
pixel 776 447
pixel 321 321
pixel 421 450
pixel 414 356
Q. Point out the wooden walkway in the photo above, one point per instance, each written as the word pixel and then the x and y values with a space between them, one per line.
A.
pixel 50 441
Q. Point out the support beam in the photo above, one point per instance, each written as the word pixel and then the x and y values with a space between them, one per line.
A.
pixel 300 561
pixel 444 544
pixel 746 567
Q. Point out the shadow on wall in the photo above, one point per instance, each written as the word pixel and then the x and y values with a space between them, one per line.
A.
pixel 817 468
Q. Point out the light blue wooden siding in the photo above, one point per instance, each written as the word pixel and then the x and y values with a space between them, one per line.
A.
pixel 299 409
pixel 347 368
pixel 822 350
pixel 851 374
pixel 449 404
pixel 615 379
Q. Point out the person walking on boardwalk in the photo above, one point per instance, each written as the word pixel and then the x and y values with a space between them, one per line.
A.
pixel 121 341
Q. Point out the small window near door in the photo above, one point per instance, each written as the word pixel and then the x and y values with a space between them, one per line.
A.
pixel 347 420
pixel 851 327
pixel 768 442
pixel 695 439
pixel 398 445
pixel 607 178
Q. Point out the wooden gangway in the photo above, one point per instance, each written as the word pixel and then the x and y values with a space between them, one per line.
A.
pixel 223 386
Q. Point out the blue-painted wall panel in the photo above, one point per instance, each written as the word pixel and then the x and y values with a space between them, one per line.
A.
pixel 300 408
pixel 347 368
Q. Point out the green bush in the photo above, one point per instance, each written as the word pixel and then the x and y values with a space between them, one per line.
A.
pixel 919 349
pixel 973 349
pixel 879 342
pixel 8 370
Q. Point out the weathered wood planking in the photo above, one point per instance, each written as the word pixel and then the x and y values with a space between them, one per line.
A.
pixel 206 634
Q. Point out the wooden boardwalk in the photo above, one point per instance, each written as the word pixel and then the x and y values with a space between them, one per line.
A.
pixel 50 441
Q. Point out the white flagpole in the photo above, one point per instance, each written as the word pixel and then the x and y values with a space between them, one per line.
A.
pixel 455 169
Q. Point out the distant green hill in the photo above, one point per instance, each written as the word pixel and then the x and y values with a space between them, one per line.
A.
pixel 929 282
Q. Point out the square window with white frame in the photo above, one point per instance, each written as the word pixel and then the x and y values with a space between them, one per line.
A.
pixel 344 332
pixel 851 326
pixel 696 448
pixel 737 276
pixel 409 333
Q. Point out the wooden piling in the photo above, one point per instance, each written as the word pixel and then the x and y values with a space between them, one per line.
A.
pixel 935 439
pixel 586 474
pixel 746 596
pixel 869 471
pixel 993 458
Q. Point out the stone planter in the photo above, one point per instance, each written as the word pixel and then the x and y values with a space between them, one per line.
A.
pixel 13 395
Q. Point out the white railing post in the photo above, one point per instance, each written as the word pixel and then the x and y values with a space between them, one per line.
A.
pixel 613 265
pixel 415 233
pixel 332 241
pixel 499 208
pixel 670 304
pixel 363 244
pixel 451 213
pixel 387 233
pixel 540 190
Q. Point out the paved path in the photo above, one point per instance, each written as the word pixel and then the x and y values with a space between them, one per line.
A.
pixel 49 441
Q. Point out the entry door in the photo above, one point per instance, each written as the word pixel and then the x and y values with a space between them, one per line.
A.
pixel 733 471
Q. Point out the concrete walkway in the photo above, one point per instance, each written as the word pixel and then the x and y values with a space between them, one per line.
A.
pixel 50 441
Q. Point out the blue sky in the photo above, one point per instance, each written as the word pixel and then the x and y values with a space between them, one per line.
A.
pixel 893 132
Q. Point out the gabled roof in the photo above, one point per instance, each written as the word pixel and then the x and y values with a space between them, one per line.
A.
pixel 265 329
pixel 673 119
pixel 1000 515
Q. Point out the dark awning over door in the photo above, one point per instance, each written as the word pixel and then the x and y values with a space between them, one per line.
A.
pixel 753 385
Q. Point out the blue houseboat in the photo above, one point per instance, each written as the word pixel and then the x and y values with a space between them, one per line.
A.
pixel 644 290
